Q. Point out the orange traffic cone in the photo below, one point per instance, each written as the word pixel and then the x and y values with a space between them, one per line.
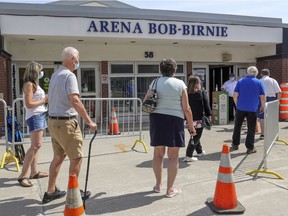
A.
pixel 225 199
pixel 113 127
pixel 74 204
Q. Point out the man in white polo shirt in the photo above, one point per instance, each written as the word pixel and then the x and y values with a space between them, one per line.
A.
pixel 273 92
pixel 229 87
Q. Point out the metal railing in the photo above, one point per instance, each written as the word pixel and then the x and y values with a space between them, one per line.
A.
pixel 271 135
pixel 127 112
pixel 3 113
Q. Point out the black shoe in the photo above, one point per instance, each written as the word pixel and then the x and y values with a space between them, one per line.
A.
pixel 234 147
pixel 83 196
pixel 261 137
pixel 57 194
pixel 251 151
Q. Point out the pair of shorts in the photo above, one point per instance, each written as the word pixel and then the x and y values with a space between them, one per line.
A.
pixel 268 99
pixel 166 130
pixel 66 138
pixel 37 122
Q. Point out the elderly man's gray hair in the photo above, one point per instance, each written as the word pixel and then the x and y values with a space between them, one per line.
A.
pixel 252 71
pixel 265 72
pixel 69 52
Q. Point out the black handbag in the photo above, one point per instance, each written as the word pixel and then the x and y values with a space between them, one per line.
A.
pixel 150 104
pixel 206 123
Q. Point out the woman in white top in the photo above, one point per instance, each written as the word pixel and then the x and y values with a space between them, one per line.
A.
pixel 34 102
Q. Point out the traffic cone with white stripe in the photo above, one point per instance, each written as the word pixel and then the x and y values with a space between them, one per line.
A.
pixel 113 127
pixel 74 205
pixel 225 198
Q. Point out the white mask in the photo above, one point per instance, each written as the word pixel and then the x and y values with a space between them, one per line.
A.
pixel 41 74
pixel 77 65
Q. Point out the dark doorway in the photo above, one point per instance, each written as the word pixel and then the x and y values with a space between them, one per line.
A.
pixel 218 74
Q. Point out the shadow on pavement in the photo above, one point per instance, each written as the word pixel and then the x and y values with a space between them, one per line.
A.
pixel 97 206
pixel 202 212
pixel 148 164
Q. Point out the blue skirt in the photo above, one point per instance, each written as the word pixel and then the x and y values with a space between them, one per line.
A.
pixel 166 130
pixel 37 122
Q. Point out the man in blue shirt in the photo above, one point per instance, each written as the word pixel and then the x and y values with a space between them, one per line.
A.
pixel 248 93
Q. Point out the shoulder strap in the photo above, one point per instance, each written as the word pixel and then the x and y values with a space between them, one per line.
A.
pixel 203 102
pixel 155 84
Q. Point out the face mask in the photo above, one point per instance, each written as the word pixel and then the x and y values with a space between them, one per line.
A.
pixel 41 74
pixel 77 65
pixel 232 78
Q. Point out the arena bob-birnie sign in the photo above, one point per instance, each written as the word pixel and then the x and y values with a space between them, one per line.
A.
pixel 156 28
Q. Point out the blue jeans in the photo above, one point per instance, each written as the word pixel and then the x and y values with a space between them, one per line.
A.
pixel 251 118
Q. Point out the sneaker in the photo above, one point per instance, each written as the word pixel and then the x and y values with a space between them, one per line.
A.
pixel 261 137
pixel 251 151
pixel 200 154
pixel 190 159
pixel 88 194
pixel 57 194
pixel 234 147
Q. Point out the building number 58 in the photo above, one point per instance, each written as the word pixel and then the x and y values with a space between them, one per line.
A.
pixel 149 55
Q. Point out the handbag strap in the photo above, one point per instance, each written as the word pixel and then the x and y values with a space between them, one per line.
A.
pixel 203 103
pixel 155 84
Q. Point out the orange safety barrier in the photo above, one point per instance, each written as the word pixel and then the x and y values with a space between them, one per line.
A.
pixel 113 127
pixel 283 109
pixel 225 199
pixel 74 205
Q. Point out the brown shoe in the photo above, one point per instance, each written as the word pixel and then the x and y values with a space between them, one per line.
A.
pixel 251 151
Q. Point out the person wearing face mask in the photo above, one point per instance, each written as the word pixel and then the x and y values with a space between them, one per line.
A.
pixel 64 106
pixel 229 87
pixel 34 103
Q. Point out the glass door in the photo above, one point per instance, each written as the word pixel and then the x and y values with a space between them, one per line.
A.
pixel 89 86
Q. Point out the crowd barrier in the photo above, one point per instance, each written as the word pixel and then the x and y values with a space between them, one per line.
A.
pixel 9 154
pixel 127 112
pixel 3 113
pixel 271 135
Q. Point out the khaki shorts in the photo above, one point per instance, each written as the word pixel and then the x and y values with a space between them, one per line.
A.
pixel 66 137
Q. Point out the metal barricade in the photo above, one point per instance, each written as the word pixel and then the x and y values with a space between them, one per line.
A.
pixel 3 106
pixel 128 116
pixel 271 135
pixel 8 155
pixel 103 111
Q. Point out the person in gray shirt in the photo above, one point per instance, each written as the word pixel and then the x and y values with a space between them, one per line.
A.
pixel 64 106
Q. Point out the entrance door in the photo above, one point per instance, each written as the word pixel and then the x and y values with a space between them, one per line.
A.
pixel 218 75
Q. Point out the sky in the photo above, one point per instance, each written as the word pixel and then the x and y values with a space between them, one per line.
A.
pixel 259 8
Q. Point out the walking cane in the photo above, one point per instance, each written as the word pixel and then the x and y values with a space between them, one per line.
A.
pixel 88 166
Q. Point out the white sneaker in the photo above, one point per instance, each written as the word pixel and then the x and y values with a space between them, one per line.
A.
pixel 200 155
pixel 190 159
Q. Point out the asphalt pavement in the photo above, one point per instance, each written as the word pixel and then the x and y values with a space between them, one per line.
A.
pixel 121 179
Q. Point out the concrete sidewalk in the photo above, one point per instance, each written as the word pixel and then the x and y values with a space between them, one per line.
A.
pixel 121 180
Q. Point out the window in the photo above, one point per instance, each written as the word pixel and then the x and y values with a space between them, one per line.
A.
pixel 122 87
pixel 88 84
pixel 21 82
pixel 43 82
pixel 143 68
pixel 180 69
pixel 143 85
pixel 122 68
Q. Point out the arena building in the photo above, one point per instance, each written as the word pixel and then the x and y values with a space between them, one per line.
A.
pixel 120 44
